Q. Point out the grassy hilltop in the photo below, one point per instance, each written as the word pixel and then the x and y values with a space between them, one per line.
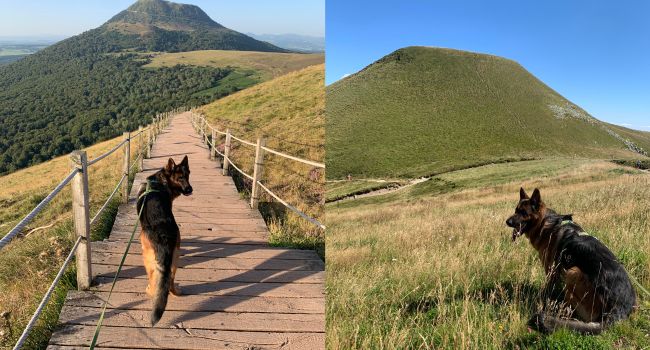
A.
pixel 419 111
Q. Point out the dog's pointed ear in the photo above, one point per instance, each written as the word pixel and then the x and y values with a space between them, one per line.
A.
pixel 184 162
pixel 536 199
pixel 522 194
pixel 169 168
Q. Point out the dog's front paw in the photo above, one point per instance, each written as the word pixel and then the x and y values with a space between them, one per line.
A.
pixel 537 323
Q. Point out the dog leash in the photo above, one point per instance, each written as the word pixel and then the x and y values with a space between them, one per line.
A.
pixel 119 268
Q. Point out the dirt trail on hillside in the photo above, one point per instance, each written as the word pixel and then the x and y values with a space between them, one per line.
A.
pixel 385 190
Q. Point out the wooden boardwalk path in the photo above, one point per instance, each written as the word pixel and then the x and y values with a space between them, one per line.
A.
pixel 238 292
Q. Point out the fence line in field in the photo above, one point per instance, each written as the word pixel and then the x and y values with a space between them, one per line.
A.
pixel 202 126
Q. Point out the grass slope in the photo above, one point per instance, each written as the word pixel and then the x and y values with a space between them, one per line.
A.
pixel 270 64
pixel 28 264
pixel 434 267
pixel 290 112
pixel 420 111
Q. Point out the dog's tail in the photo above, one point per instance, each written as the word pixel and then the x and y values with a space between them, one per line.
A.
pixel 163 277
pixel 549 324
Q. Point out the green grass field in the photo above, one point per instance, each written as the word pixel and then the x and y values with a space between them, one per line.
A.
pixel 289 112
pixel 267 64
pixel 422 111
pixel 29 263
pixel 432 266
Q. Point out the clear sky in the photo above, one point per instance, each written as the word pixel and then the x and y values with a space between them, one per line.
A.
pixel 595 53
pixel 47 18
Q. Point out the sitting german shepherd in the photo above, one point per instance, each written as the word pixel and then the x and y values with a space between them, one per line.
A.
pixel 583 275
pixel 160 236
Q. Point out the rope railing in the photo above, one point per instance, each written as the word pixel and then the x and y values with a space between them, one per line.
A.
pixel 19 226
pixel 243 141
pixel 201 126
pixel 135 162
pixel 91 162
pixel 80 207
pixel 240 171
pixel 46 297
pixel 294 209
pixel 110 197
pixel 308 162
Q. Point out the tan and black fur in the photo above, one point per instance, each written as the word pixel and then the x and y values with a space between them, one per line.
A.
pixel 583 275
pixel 160 236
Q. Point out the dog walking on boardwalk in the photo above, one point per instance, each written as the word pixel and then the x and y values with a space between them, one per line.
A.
pixel 583 275
pixel 160 236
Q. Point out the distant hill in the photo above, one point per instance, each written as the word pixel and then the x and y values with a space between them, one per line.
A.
pixel 158 25
pixel 92 86
pixel 420 110
pixel 295 42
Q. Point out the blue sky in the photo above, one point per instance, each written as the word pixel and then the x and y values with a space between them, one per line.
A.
pixel 595 53
pixel 39 18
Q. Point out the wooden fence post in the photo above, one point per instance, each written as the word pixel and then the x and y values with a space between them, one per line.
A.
pixel 141 149
pixel 149 141
pixel 203 130
pixel 81 214
pixel 226 153
pixel 213 151
pixel 257 172
pixel 127 163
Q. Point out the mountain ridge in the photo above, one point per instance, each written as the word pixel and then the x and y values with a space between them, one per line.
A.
pixel 149 12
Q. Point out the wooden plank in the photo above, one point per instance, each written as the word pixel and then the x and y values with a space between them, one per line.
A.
pixel 255 321
pixel 140 301
pixel 278 290
pixel 193 239
pixel 217 250
pixel 190 339
pixel 229 263
pixel 189 221
pixel 203 217
pixel 203 228
pixel 252 276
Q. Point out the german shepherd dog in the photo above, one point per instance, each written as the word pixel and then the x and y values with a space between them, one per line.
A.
pixel 160 236
pixel 583 276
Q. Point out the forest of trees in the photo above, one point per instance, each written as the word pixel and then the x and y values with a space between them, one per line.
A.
pixel 86 89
